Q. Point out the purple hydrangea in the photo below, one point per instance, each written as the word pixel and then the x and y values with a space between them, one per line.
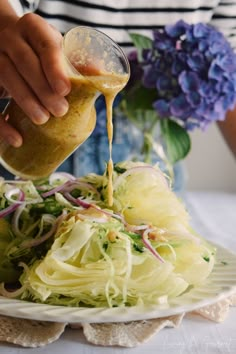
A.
pixel 193 69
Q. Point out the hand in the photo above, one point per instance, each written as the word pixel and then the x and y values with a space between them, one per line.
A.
pixel 32 71
pixel 8 133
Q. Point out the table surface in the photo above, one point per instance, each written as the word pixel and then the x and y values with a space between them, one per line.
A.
pixel 214 217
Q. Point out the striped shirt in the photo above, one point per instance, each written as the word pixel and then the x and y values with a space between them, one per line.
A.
pixel 119 17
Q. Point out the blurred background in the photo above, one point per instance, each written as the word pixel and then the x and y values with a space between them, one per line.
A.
pixel 210 164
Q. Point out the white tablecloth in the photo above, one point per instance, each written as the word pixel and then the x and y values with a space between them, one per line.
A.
pixel 214 217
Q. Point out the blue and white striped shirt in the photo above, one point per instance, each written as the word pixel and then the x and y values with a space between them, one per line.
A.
pixel 117 18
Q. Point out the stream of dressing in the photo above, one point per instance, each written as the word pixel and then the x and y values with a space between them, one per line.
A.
pixel 110 85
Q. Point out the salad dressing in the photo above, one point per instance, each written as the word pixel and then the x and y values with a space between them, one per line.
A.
pixel 110 85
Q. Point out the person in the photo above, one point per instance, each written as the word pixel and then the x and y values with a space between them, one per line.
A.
pixel 31 69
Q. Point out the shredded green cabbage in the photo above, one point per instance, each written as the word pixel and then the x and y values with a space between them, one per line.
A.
pixel 98 256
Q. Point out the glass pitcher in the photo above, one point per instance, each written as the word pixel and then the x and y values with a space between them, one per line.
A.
pixel 95 65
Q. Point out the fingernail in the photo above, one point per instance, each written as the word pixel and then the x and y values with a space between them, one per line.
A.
pixel 14 141
pixel 62 87
pixel 39 116
pixel 60 108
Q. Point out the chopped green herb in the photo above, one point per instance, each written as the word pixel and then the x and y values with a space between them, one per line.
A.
pixel 133 235
pixel 105 246
pixel 138 247
pixel 206 258
pixel 119 169
pixel 137 241
pixel 49 206
pixel 76 193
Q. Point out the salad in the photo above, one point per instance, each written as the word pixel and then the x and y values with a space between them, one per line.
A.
pixel 61 244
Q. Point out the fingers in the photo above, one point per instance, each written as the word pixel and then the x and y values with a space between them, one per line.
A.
pixel 31 68
pixel 53 102
pixel 18 88
pixel 47 44
pixel 9 134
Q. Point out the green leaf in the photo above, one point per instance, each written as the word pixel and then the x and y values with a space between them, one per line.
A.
pixel 177 140
pixel 140 42
pixel 137 106
pixel 143 119
pixel 140 98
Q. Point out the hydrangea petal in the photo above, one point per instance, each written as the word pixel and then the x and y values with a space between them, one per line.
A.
pixel 193 98
pixel 203 45
pixel 201 30
pixel 215 71
pixel 178 29
pixel 162 108
pixel 196 61
pixel 189 81
pixel 178 64
pixel 179 107
pixel 228 61
pixel 164 83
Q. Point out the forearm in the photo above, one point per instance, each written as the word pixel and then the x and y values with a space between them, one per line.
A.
pixel 228 130
pixel 7 14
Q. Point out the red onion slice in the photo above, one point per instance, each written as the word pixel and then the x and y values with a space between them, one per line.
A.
pixel 68 186
pixel 55 190
pixel 16 219
pixel 78 183
pixel 58 176
pixel 65 179
pixel 13 192
pixel 77 201
pixel 38 241
pixel 16 204
pixel 109 213
pixel 148 245
pixel 87 205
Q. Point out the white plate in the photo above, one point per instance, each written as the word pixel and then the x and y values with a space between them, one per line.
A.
pixel 220 284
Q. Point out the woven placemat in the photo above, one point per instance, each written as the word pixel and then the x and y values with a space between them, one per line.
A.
pixel 30 333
